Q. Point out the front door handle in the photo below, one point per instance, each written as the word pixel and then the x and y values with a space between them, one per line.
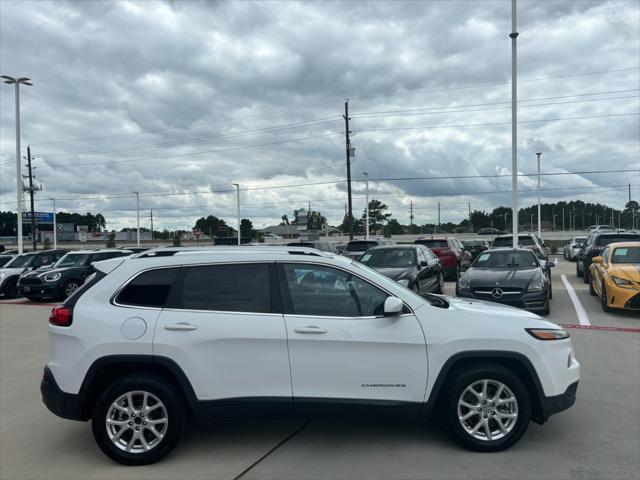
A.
pixel 181 326
pixel 310 329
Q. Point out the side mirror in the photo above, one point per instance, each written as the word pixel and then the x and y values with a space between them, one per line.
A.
pixel 550 264
pixel 464 267
pixel 598 259
pixel 424 263
pixel 392 306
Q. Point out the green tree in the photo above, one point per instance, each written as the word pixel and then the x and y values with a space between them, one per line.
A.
pixel 111 240
pixel 246 229
pixel 392 227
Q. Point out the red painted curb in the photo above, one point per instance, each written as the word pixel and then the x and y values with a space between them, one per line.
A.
pixel 30 304
pixel 601 328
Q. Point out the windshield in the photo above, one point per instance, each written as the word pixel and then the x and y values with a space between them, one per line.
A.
pixel 20 261
pixel 390 258
pixel 475 243
pixel 431 243
pixel 580 240
pixel 508 241
pixel 626 255
pixel 506 259
pixel 360 246
pixel 73 260
pixel 607 239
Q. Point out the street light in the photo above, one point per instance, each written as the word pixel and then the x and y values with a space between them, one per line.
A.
pixel 539 216
pixel 238 208
pixel 17 81
pixel 55 229
pixel 137 218
pixel 366 228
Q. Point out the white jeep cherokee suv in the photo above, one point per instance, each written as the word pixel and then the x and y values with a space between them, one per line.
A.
pixel 168 334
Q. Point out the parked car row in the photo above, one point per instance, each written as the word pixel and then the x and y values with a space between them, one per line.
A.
pixel 50 274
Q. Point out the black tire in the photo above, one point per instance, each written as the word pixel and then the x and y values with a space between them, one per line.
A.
pixel 578 271
pixel 11 289
pixel 603 299
pixel 550 291
pixel 490 371
pixel 547 309
pixel 440 284
pixel 592 291
pixel 586 277
pixel 163 391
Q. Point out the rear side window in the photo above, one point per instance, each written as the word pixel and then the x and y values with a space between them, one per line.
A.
pixel 605 240
pixel 225 288
pixel 149 289
pixel 434 243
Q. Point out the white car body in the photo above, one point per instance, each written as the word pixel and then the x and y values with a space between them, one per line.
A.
pixel 377 360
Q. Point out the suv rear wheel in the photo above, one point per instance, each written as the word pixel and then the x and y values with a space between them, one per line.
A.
pixel 488 408
pixel 138 420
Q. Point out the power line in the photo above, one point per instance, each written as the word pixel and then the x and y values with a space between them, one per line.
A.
pixel 425 127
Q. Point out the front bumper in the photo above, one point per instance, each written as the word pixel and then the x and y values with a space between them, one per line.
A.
pixel 534 301
pixel 558 403
pixel 39 291
pixel 63 404
pixel 626 298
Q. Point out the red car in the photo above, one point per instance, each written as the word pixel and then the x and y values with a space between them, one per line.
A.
pixel 452 254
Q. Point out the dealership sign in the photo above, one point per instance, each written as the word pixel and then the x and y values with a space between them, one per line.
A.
pixel 40 217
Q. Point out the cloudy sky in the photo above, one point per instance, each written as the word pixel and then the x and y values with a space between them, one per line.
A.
pixel 180 100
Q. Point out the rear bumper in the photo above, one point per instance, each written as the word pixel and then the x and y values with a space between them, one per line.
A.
pixel 558 403
pixel 63 404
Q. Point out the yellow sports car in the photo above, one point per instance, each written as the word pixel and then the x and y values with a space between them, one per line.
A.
pixel 615 276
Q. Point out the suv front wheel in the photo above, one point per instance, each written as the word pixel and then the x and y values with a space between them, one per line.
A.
pixel 138 420
pixel 488 408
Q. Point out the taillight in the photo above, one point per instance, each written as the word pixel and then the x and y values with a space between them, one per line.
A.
pixel 61 316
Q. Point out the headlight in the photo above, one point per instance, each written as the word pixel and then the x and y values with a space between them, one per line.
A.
pixel 52 277
pixel 547 333
pixel 621 282
pixel 463 284
pixel 404 282
pixel 536 285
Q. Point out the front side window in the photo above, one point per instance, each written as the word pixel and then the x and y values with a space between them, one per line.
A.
pixel 317 290
pixel 226 288
pixel 149 289
pixel 389 258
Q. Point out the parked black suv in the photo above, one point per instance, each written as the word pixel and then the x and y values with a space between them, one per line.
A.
pixel 65 276
pixel 26 262
pixel 595 244
pixel 525 240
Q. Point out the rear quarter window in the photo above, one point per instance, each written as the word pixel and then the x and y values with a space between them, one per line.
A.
pixel 148 289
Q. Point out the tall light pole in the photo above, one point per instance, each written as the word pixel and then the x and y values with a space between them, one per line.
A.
pixel 539 216
pixel 137 218
pixel 514 127
pixel 238 209
pixel 17 81
pixel 554 221
pixel 366 210
pixel 55 228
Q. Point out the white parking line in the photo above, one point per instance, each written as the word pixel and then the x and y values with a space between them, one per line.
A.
pixel 583 318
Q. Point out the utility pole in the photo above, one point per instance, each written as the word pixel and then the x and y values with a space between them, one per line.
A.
pixel 563 219
pixel 137 218
pixel 505 221
pixel 366 210
pixel 438 228
pixel 554 221
pixel 470 224
pixel 17 81
pixel 514 127
pixel 411 217
pixel 55 225
pixel 32 190
pixel 238 210
pixel 629 192
pixel 539 215
pixel 151 217
pixel 348 147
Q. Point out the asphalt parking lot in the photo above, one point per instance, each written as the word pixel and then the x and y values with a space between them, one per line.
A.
pixel 599 438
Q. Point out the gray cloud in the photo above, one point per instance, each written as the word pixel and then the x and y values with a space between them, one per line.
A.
pixel 162 93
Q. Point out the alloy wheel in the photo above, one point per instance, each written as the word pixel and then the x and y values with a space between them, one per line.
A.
pixel 70 288
pixel 487 410
pixel 136 421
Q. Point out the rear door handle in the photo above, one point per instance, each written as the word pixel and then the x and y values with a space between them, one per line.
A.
pixel 310 329
pixel 181 326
